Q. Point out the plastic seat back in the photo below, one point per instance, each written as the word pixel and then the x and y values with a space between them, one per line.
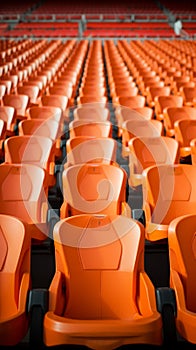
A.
pixel 153 91
pixel 23 191
pixel 132 101
pixel 88 128
pixel 138 128
pixel 148 151
pixel 14 280
pixel 39 127
pixel 34 149
pixel 93 188
pixel 181 239
pixel 32 91
pixel 100 257
pixel 18 101
pixel 84 149
pixel 162 102
pixel 8 114
pixel 185 131
pixel 45 112
pixel 105 252
pixel 59 101
pixel 188 93
pixel 169 191
pixel 172 114
pixel 91 113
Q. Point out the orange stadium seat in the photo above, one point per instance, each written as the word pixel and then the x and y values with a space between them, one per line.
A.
pixel 181 242
pixel 172 114
pixel 168 192
pixel 24 193
pixel 87 149
pixel 93 113
pixel 147 151
pixel 15 280
pixel 139 127
pixel 90 128
pixel 184 132
pixel 94 188
pixel 32 149
pixel 96 251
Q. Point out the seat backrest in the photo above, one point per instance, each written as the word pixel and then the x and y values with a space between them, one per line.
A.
pixel 27 149
pixel 91 113
pixel 94 188
pixel 92 99
pixel 188 93
pixel 88 128
pixel 132 101
pixel 182 253
pixel 39 127
pixel 170 191
pixel 154 151
pixel 142 127
pixel 105 253
pixel 124 114
pixel 153 91
pixel 30 90
pixel 14 262
pixel 2 90
pixel 185 131
pixel 173 114
pixel 45 112
pixel 7 113
pixel 59 101
pixel 84 149
pixel 2 130
pixel 18 101
pixel 163 101
pixel 61 90
pixel 23 192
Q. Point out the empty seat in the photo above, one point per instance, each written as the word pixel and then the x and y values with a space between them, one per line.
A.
pixel 8 115
pixel 107 254
pixel 154 91
pixel 95 113
pixel 42 127
pixel 169 191
pixel 94 188
pixel 185 131
pixel 139 127
pixel 92 99
pixel 15 280
pixel 172 114
pixel 162 102
pixel 123 114
pixel 147 151
pixel 32 91
pixel 23 193
pixel 19 102
pixel 47 112
pixel 181 241
pixel 189 94
pixel 85 149
pixel 90 128
pixel 131 101
pixel 59 101
pixel 32 149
